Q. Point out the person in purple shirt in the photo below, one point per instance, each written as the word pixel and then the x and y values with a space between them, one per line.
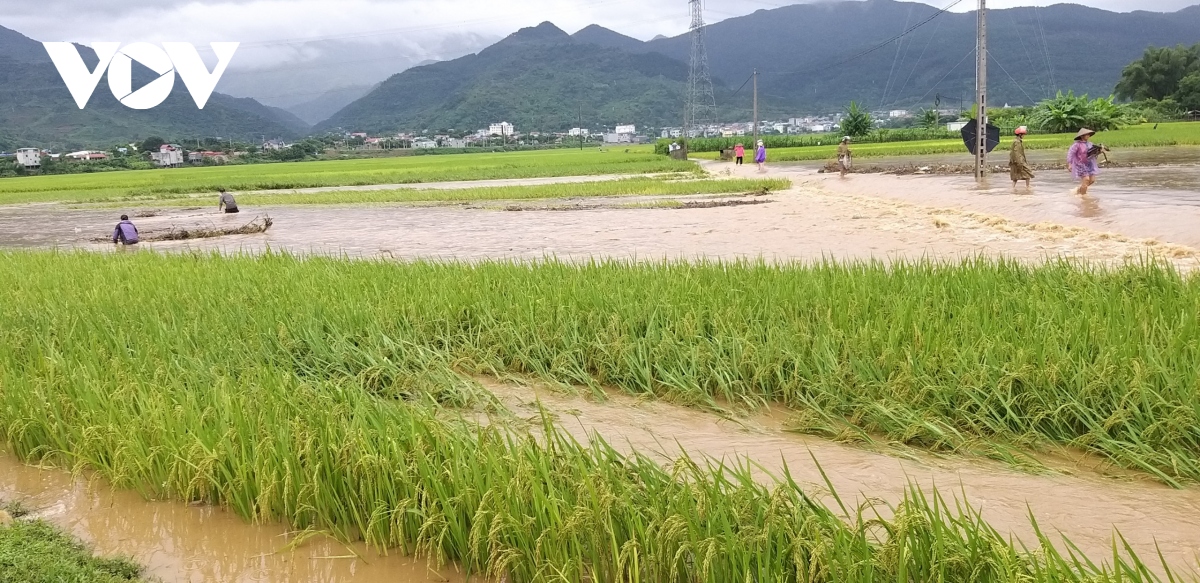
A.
pixel 760 157
pixel 125 233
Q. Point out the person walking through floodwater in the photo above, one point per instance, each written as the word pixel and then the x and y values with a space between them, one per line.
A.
pixel 227 202
pixel 1080 161
pixel 739 153
pixel 125 233
pixel 1018 165
pixel 760 157
pixel 844 156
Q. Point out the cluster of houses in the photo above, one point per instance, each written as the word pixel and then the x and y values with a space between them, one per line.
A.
pixel 500 132
pixel 167 156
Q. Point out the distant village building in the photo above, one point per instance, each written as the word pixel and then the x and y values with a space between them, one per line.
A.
pixel 87 155
pixel 576 132
pixel 896 113
pixel 626 129
pixel 168 156
pixel 30 158
pixel 956 126
pixel 500 129
pixel 424 144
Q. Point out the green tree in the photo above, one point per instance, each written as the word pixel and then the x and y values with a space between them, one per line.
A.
pixel 1157 75
pixel 1188 94
pixel 151 144
pixel 930 119
pixel 857 122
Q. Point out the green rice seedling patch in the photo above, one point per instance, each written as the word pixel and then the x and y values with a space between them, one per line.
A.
pixel 174 182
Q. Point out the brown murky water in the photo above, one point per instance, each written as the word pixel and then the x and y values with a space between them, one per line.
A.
pixel 1157 202
pixel 181 543
pixel 1077 500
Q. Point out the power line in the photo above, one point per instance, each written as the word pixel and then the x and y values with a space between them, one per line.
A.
pixel 952 69
pixel 1032 101
pixel 872 49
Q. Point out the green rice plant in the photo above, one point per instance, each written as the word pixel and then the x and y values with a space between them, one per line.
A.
pixel 644 186
pixel 169 183
pixel 936 356
pixel 313 391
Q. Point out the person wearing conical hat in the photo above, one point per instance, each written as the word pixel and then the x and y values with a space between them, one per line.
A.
pixel 1080 161
pixel 1018 166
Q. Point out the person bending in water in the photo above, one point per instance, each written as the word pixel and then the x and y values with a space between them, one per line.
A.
pixel 227 202
pixel 1018 166
pixel 125 233
pixel 1080 161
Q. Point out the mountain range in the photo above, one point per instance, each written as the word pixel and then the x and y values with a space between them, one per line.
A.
pixel 810 58
pixel 37 110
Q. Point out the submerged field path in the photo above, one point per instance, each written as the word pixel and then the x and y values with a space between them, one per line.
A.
pixel 1084 500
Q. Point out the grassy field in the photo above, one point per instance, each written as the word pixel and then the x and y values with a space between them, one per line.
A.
pixel 36 552
pixel 647 186
pixel 1167 134
pixel 152 184
pixel 321 399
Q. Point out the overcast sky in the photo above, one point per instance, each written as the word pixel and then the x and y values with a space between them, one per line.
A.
pixel 366 40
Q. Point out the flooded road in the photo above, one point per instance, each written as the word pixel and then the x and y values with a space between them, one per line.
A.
pixel 181 543
pixel 1083 499
pixel 1161 202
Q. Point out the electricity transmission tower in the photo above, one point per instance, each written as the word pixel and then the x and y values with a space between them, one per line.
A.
pixel 699 104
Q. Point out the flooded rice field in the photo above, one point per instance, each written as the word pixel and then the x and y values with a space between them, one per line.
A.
pixel 181 543
pixel 866 216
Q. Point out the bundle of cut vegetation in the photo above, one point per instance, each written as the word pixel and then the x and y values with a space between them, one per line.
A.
pixel 328 401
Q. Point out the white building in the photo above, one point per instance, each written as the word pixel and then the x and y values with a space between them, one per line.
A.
pixel 615 138
pixel 956 126
pixel 168 156
pixel 576 132
pixel 895 113
pixel 500 129
pixel 424 144
pixel 626 129
pixel 29 157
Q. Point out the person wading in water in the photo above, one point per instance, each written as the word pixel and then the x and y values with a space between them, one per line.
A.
pixel 125 233
pixel 844 156
pixel 227 202
pixel 1082 162
pixel 1018 166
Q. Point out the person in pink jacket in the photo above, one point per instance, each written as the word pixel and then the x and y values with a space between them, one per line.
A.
pixel 739 153
pixel 1081 162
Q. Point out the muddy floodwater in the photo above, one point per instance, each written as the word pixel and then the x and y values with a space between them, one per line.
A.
pixel 1078 496
pixel 864 217
pixel 181 543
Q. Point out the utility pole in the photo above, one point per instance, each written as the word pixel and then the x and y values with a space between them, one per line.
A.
pixel 756 107
pixel 981 93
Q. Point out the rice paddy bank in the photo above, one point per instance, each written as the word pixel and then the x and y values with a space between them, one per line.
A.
pixel 33 551
pixel 324 398
pixel 658 186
